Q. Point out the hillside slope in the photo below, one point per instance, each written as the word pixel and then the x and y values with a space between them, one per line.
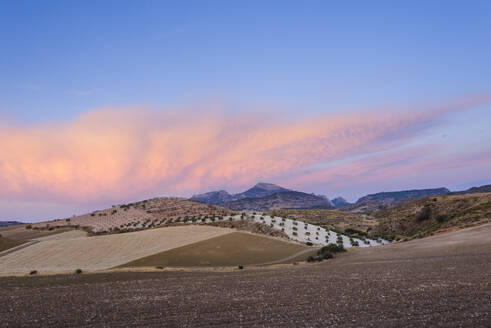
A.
pixel 373 202
pixel 422 217
pixel 134 216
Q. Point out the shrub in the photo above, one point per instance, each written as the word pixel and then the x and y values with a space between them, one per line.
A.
pixel 331 248
pixel 310 259
pixel 33 272
pixel 78 271
pixel 326 256
pixel 442 218
pixel 425 214
pixel 241 267
pixel 159 267
pixel 28 226
pixel 309 243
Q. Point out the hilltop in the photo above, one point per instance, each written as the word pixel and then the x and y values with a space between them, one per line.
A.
pixel 382 200
pixel 425 216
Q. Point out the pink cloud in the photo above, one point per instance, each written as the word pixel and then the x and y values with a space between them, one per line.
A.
pixel 114 154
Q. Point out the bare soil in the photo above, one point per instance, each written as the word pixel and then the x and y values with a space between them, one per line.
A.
pixel 441 281
pixel 6 243
pixel 233 249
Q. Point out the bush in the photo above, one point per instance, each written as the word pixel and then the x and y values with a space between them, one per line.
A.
pixel 33 272
pixel 78 271
pixel 309 243
pixel 310 259
pixel 241 267
pixel 326 256
pixel 159 267
pixel 331 248
pixel 28 226
pixel 442 218
pixel 425 214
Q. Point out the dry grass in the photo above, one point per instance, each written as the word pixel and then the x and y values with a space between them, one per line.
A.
pixel 234 249
pixel 102 252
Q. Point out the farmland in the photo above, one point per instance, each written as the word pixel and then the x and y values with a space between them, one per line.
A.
pixel 233 249
pixel 136 216
pixel 443 280
pixel 101 252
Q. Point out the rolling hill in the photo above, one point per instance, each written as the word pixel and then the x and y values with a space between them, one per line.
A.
pixel 373 202
pixel 428 215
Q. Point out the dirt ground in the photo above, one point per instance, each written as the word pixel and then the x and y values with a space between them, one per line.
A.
pixel 442 281
pixel 7 243
pixel 58 254
pixel 236 248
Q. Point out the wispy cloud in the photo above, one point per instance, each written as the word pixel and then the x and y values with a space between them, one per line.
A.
pixel 113 154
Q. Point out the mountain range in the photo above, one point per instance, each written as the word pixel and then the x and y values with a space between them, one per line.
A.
pixel 264 196
pixel 268 196
pixel 9 223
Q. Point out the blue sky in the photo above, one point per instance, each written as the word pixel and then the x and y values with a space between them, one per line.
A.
pixel 299 60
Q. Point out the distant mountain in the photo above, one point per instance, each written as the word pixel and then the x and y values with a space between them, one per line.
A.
pixel 382 200
pixel 221 197
pixel 9 223
pixel 213 197
pixel 396 196
pixel 473 190
pixel 264 196
pixel 281 200
pixel 260 190
pixel 339 201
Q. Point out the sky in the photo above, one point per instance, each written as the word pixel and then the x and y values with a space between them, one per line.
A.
pixel 105 102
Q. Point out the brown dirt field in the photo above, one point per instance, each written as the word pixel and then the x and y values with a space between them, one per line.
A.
pixel 6 243
pixel 102 252
pixel 442 281
pixel 233 249
pixel 21 233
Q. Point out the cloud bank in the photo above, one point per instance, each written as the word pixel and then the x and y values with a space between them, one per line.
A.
pixel 129 153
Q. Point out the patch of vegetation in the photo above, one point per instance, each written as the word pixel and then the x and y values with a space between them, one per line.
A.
pixel 78 271
pixel 424 214
pixel 241 267
pixel 309 243
pixel 33 272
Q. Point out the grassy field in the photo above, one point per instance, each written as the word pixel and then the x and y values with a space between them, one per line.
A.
pixel 233 249
pixel 102 252
pixel 6 243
